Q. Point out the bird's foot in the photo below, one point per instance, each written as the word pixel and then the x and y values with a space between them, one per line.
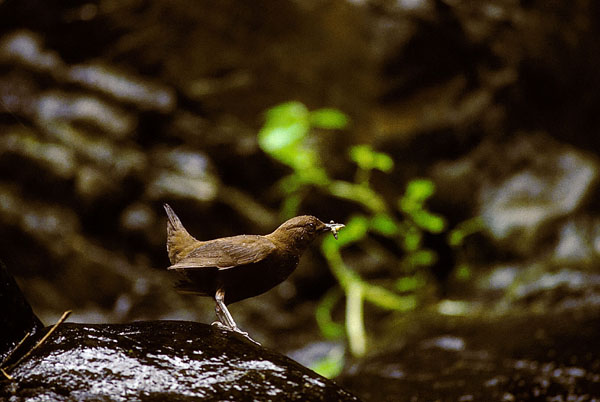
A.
pixel 245 334
pixel 220 325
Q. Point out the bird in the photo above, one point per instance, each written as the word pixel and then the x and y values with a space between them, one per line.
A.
pixel 231 269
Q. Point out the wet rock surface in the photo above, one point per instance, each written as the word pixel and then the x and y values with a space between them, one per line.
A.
pixel 151 360
pixel 511 333
pixel 519 358
pixel 161 360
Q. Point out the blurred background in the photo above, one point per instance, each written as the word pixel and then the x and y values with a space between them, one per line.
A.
pixel 457 140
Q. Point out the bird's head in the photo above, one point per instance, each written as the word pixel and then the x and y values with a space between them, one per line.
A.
pixel 302 230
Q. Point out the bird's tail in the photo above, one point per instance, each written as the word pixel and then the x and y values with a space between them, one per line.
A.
pixel 179 241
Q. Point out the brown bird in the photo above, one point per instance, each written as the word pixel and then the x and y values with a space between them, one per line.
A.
pixel 235 268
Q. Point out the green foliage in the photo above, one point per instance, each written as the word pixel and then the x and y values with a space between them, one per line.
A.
pixel 331 365
pixel 285 127
pixel 419 191
pixel 462 272
pixel 456 238
pixel 412 204
pixel 289 136
pixel 283 137
pixel 410 283
pixel 360 193
pixel 384 224
pixel 329 328
pixel 367 159
pixel 327 118
pixel 457 235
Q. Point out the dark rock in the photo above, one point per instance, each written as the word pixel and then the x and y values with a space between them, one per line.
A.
pixel 161 360
pixel 578 242
pixel 519 207
pixel 150 360
pixel 16 318
pixel 537 287
pixel 527 358
pixel 522 188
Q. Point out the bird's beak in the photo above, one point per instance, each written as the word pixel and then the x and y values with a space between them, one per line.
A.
pixel 334 227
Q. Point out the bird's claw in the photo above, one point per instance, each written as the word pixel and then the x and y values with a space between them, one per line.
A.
pixel 245 334
pixel 220 325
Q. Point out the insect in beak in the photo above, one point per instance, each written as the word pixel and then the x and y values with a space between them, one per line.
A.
pixel 334 227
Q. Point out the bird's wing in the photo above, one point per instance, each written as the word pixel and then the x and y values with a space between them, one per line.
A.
pixel 227 252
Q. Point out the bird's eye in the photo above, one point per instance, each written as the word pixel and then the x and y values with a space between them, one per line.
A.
pixel 311 226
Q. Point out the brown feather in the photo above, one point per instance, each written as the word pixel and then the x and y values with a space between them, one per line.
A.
pixel 179 241
pixel 242 266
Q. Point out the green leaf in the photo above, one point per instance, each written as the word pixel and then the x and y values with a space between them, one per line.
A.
pixel 383 162
pixel 466 228
pixel 275 139
pixel 330 366
pixel 410 283
pixel 456 238
pixel 408 205
pixel 384 224
pixel 328 118
pixel 285 113
pixel 289 184
pixel 313 175
pixel 358 193
pixel 329 328
pixel 299 158
pixel 420 190
pixel 420 258
pixel 286 126
pixel 388 300
pixel 412 239
pixel 367 159
pixel 429 221
pixel 362 155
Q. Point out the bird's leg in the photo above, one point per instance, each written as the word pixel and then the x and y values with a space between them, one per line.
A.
pixel 224 316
